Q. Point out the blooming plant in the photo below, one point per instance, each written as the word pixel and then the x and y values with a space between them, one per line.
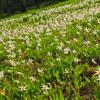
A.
pixel 52 55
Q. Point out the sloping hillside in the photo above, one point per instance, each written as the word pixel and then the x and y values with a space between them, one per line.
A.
pixel 52 54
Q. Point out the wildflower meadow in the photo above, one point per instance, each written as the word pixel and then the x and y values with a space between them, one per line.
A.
pixel 52 54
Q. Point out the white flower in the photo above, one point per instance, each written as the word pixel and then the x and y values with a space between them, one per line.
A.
pixel 30 62
pixel 19 51
pixel 78 33
pixel 49 54
pixel 76 60
pixel 45 88
pixel 12 62
pixel 1 39
pixel 23 61
pixel 86 29
pixel 79 27
pixel 58 59
pixel 12 46
pixel 1 75
pixel 56 39
pixel 48 33
pixel 59 47
pixel 63 34
pixel 86 42
pixel 66 50
pixel 32 78
pixel 74 51
pixel 93 60
pixel 75 39
pixel 97 45
pixel 23 88
pixel 8 50
pixel 97 72
pixel 66 71
pixel 98 21
pixel 40 70
pixel 68 42
pixel 12 55
pixel 95 32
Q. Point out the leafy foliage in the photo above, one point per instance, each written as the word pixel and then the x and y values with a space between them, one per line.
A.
pixel 52 55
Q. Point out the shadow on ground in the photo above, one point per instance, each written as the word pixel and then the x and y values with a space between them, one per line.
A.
pixel 41 6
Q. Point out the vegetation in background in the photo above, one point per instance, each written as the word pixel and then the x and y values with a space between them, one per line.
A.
pixel 8 7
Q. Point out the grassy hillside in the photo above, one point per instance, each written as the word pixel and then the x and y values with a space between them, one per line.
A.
pixel 51 53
